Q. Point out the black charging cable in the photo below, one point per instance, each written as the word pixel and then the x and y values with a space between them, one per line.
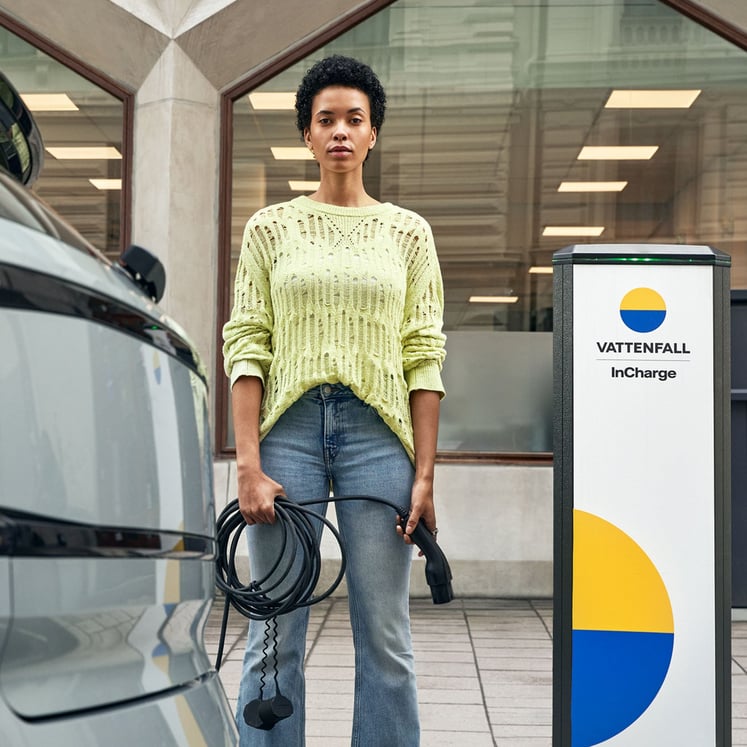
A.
pixel 263 599
pixel 260 599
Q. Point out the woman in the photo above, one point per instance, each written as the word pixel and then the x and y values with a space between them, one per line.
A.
pixel 334 350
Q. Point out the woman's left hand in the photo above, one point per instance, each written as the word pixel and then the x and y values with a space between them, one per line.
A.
pixel 421 507
pixel 424 406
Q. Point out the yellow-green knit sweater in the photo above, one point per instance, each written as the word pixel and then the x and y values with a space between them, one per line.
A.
pixel 341 295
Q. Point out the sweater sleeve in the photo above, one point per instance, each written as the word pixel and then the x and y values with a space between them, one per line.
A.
pixel 247 336
pixel 423 342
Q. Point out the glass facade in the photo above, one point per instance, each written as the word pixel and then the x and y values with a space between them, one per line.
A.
pixel 82 126
pixel 518 127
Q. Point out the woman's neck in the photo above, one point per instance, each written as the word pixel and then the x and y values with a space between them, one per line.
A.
pixel 343 192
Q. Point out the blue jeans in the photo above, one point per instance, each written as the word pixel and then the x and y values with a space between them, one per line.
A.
pixel 330 439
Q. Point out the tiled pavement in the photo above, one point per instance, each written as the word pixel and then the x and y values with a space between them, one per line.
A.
pixel 484 671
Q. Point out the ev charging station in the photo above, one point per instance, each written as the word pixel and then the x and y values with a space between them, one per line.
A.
pixel 642 573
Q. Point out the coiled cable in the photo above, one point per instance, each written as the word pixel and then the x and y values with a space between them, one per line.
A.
pixel 297 567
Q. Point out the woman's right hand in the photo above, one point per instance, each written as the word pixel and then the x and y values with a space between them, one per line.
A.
pixel 257 493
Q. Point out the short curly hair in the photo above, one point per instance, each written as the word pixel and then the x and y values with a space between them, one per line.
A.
pixel 338 70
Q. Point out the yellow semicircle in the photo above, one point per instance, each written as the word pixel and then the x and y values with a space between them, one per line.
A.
pixel 643 299
pixel 615 584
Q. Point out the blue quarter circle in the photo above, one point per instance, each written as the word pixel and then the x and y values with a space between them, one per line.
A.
pixel 615 677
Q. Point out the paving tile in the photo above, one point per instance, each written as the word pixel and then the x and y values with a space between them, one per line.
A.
pixel 738 710
pixel 315 684
pixel 340 703
pixel 517 664
pixel 543 653
pixel 328 727
pixel 455 739
pixel 488 645
pixel 330 673
pixel 318 658
pixel 517 692
pixel 507 677
pixel 445 669
pixel 465 656
pixel 425 647
pixel 438 638
pixel 507 701
pixel 455 683
pixel 531 715
pixel 502 731
pixel 481 619
pixel 453 717
pixel 448 695
pixel 510 636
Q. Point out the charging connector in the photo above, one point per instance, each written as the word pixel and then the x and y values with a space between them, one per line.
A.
pixel 437 570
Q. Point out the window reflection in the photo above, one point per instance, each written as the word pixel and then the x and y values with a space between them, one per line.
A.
pixel 491 106
pixel 71 111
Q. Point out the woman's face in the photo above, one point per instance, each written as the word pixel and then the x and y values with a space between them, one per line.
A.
pixel 340 134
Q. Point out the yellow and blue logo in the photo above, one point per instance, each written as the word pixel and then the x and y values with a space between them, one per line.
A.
pixel 642 310
pixel 623 631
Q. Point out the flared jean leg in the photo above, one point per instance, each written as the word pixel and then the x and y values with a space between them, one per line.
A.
pixel 290 457
pixel 372 461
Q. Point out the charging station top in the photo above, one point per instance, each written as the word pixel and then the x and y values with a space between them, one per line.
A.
pixel 674 254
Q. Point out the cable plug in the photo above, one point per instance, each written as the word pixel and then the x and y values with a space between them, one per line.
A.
pixel 264 714
pixel 437 570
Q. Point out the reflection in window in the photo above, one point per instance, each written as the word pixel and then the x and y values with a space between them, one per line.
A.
pixel 516 129
pixel 83 186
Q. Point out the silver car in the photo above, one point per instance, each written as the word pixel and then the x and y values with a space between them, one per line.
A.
pixel 106 502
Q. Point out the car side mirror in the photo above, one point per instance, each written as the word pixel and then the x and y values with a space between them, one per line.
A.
pixel 145 269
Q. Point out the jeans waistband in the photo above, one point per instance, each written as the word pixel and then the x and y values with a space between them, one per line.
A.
pixel 330 391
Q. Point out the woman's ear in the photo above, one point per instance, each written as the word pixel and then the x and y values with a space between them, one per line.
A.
pixel 373 138
pixel 307 137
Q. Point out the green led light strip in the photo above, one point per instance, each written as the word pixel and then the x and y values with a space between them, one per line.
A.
pixel 667 260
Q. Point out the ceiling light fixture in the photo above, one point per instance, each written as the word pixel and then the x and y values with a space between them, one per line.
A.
pixel 493 299
pixel 617 152
pixel 49 102
pixel 106 183
pixel 540 270
pixel 592 186
pixel 272 100
pixel 298 153
pixel 301 186
pixel 105 153
pixel 652 99
pixel 573 230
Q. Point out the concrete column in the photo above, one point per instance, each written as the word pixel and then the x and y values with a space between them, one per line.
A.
pixel 175 189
